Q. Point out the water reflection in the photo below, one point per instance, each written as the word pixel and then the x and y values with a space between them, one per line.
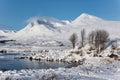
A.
pixel 7 62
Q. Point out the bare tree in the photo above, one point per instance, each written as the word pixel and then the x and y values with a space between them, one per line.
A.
pixel 98 38
pixel 103 37
pixel 73 39
pixel 91 38
pixel 82 38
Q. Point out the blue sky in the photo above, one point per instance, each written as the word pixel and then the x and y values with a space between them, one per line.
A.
pixel 14 13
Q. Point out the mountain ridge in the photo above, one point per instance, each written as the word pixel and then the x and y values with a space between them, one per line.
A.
pixel 43 28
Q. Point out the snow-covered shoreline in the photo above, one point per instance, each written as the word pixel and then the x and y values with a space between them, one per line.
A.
pixel 82 72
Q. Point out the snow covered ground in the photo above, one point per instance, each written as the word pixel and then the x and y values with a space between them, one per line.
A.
pixel 92 68
pixel 102 69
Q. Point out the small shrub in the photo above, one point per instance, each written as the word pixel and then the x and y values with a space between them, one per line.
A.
pixel 113 56
pixel 30 58
pixel 7 78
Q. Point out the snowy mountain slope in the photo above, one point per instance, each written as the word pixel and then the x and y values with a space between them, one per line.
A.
pixel 6 32
pixel 41 27
pixel 86 19
pixel 90 22
pixel 53 29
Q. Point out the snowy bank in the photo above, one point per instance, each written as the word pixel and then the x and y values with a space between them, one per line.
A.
pixel 99 71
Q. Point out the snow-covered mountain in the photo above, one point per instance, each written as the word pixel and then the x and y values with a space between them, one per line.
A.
pixel 54 29
pixel 41 27
pixel 86 19
pixel 90 22
pixel 5 33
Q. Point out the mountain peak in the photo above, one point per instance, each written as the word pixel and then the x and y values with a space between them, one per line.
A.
pixel 84 18
pixel 85 14
pixel 88 16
